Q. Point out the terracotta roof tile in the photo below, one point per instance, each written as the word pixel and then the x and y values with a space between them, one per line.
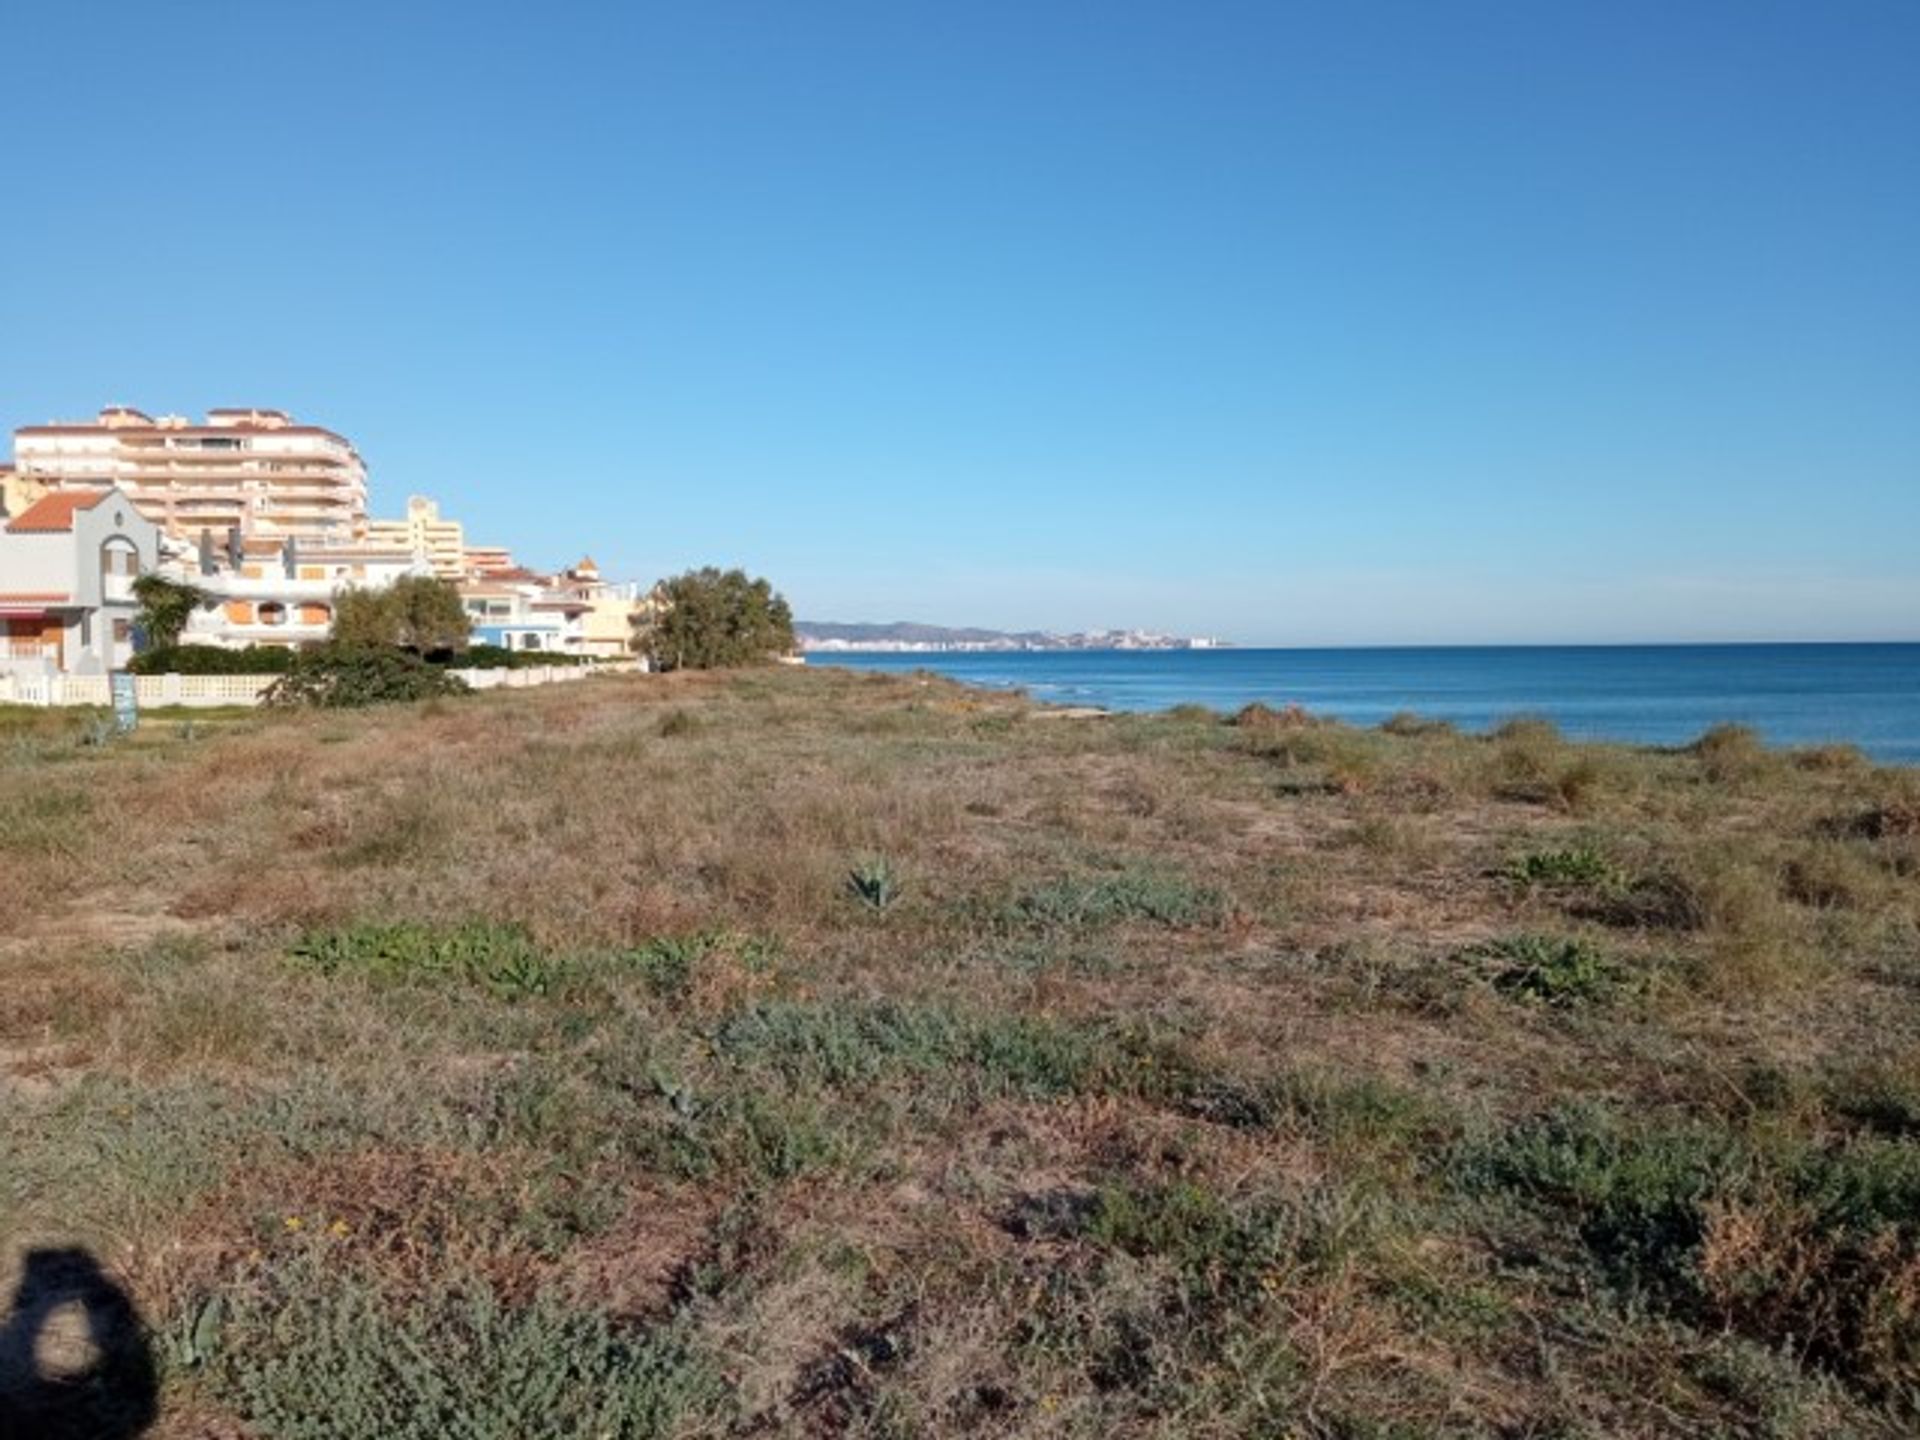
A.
pixel 55 511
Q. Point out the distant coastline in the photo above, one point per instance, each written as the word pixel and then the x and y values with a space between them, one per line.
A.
pixel 909 637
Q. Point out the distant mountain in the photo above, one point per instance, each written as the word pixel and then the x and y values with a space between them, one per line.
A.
pixel 829 635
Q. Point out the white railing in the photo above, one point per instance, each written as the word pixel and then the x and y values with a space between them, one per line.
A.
pixel 202 691
pixel 11 649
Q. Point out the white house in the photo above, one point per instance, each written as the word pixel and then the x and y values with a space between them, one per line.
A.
pixel 525 614
pixel 279 591
pixel 67 566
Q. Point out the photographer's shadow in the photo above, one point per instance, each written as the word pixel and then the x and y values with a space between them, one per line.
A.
pixel 74 1359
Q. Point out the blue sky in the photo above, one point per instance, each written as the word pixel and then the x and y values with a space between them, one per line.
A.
pixel 1358 322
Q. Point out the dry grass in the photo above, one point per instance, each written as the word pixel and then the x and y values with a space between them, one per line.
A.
pixel 1192 1076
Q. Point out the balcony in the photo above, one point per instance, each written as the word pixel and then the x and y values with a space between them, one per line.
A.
pixel 272 586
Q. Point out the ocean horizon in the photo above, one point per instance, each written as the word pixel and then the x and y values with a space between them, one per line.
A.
pixel 1793 693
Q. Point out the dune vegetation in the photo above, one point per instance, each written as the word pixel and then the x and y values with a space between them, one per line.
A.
pixel 807 1053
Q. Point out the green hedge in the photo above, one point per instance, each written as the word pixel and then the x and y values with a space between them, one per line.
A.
pixel 276 660
pixel 498 657
pixel 212 660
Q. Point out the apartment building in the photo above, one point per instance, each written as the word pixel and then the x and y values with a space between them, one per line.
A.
pixel 423 530
pixel 280 591
pixel 483 560
pixel 256 470
pixel 67 567
pixel 612 609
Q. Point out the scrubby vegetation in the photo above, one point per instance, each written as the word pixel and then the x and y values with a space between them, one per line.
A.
pixel 421 614
pixel 808 1053
pixel 337 676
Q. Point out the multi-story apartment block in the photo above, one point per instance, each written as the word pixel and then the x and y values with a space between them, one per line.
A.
pixel 423 531
pixel 279 591
pixel 483 560
pixel 67 567
pixel 255 470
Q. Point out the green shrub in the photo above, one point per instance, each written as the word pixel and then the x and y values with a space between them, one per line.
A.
pixel 669 962
pixel 501 958
pixel 1554 970
pixel 341 677
pixel 331 1359
pixel 1577 867
pixel 1796 1244
pixel 498 657
pixel 710 620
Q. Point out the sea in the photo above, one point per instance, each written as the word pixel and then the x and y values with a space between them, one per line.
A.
pixel 1865 695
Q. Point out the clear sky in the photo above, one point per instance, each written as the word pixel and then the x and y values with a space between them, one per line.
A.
pixel 1345 322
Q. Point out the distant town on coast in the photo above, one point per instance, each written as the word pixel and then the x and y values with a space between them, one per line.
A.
pixel 827 636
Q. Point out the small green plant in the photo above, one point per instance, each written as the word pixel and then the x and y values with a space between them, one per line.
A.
pixel 329 1359
pixel 500 958
pixel 1148 895
pixel 875 883
pixel 1576 867
pixel 1553 970
pixel 671 962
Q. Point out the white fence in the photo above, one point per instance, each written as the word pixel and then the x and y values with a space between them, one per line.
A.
pixel 205 691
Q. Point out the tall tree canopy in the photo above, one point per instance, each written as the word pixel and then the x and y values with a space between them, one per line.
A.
pixel 421 613
pixel 165 607
pixel 712 619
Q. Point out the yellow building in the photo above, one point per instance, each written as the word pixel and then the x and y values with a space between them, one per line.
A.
pixel 424 532
pixel 612 609
pixel 18 492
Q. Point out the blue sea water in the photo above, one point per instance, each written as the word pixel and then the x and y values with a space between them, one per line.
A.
pixel 1868 695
